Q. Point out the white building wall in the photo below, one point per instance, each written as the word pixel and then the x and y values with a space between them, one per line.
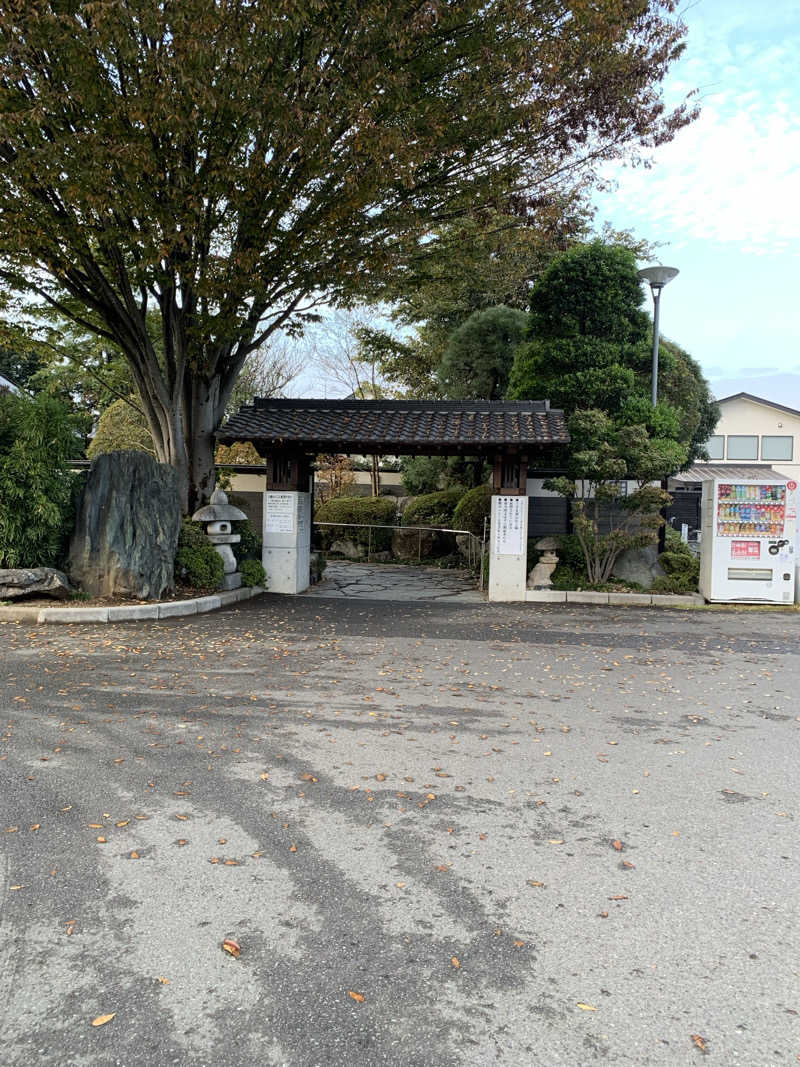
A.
pixel 746 417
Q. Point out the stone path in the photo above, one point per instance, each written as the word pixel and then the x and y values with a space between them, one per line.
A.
pixel 364 581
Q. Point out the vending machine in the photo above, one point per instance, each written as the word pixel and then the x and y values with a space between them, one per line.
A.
pixel 747 546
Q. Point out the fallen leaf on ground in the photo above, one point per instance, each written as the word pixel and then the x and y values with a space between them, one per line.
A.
pixel 134 855
pixel 358 997
pixel 587 1007
pixel 701 1043
pixel 555 841
pixel 232 947
pixel 101 1020
pixel 617 845
pixel 454 961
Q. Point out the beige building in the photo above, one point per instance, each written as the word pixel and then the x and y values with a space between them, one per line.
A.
pixel 753 431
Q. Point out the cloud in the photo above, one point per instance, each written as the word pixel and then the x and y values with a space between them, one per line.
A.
pixel 732 176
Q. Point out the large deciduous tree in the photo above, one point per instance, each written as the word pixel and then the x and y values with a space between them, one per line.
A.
pixel 227 163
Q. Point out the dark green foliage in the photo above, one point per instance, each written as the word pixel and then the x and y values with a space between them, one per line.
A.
pixel 252 572
pixel 479 355
pixel 250 545
pixel 197 564
pixel 433 509
pixel 422 474
pixel 471 510
pixel 371 510
pixel 682 567
pixel 589 345
pixel 592 290
pixel 38 438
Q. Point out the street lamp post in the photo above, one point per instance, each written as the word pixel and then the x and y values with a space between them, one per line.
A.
pixel 656 278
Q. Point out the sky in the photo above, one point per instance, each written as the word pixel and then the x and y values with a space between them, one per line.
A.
pixel 721 199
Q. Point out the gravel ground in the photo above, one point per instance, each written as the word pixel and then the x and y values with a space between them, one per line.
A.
pixel 440 833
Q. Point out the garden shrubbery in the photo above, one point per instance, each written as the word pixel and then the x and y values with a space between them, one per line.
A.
pixel 249 547
pixel 371 510
pixel 680 563
pixel 197 563
pixel 473 507
pixel 433 509
pixel 38 439
pixel 253 572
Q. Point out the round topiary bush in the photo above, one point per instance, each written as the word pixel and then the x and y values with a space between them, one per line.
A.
pixel 252 573
pixel 473 507
pixel 197 564
pixel 433 509
pixel 359 510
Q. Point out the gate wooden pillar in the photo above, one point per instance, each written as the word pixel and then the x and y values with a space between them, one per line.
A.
pixel 286 553
pixel 508 531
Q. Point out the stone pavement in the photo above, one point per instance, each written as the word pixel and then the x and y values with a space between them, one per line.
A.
pixel 365 581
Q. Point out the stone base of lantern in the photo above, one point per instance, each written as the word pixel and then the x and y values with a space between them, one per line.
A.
pixel 231 581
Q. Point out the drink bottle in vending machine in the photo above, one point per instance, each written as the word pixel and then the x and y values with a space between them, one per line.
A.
pixel 748 540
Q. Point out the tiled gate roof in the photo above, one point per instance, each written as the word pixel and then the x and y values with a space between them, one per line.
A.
pixel 397 427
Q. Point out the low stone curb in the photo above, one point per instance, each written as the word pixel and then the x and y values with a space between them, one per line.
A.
pixel 631 600
pixel 132 612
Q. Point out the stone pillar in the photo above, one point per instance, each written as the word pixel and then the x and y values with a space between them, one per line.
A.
pixel 508 542
pixel 286 553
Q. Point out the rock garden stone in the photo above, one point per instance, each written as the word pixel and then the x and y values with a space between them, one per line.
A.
pixel 639 565
pixel 34 581
pixel 126 533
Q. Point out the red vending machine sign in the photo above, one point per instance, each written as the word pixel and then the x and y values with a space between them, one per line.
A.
pixel 745 550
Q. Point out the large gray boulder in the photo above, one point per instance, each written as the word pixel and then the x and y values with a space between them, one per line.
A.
pixel 34 581
pixel 127 528
pixel 639 565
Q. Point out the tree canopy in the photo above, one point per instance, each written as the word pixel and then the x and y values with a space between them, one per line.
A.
pixel 227 164
pixel 589 346
pixel 480 354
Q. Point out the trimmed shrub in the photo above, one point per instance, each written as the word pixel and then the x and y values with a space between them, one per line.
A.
pixel 433 509
pixel 473 507
pixel 250 545
pixel 252 572
pixel 197 564
pixel 370 510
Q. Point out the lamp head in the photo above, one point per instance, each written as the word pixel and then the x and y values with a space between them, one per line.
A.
pixel 657 277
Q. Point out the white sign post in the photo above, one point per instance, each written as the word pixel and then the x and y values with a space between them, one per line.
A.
pixel 508 548
pixel 286 554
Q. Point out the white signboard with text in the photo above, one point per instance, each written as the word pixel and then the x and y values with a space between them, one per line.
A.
pixel 279 512
pixel 509 531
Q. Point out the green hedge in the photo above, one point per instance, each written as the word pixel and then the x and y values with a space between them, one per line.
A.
pixel 371 510
pixel 433 509
pixel 473 507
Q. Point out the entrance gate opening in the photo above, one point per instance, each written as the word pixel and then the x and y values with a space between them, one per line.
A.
pixel 290 433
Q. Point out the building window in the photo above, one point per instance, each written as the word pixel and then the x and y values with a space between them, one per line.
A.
pixel 777 447
pixel 715 446
pixel 742 447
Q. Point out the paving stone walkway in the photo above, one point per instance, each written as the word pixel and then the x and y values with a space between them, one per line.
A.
pixel 365 581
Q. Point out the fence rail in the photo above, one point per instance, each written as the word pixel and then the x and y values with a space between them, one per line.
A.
pixel 476 546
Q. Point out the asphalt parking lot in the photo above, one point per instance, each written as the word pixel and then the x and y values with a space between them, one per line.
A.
pixel 439 834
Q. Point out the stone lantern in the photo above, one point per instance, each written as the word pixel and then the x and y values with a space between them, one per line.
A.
pixel 218 515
